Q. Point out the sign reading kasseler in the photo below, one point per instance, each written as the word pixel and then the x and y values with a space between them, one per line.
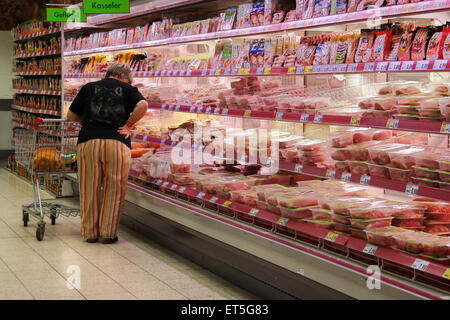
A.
pixel 65 15
pixel 106 6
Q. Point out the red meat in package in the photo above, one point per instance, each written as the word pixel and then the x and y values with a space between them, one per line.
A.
pixel 433 46
pixel 445 44
pixel 364 51
pixel 381 45
pixel 419 45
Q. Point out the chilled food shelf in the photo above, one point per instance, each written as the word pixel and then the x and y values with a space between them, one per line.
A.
pixel 346 18
pixel 385 66
pixel 430 126
pixel 38 73
pixel 39 92
pixel 36 35
pixel 38 54
pixel 417 268
pixel 37 111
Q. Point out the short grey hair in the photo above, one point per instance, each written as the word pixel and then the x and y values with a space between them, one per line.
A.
pixel 119 70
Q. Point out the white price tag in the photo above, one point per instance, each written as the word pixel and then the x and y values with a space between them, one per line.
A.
pixel 225 112
pixel 381 66
pixel 165 184
pixel 208 110
pixel 177 107
pixel 182 189
pixel 407 66
pixel 199 109
pixel 158 182
pixel 173 187
pixel 227 72
pixel 392 124
pixel 188 73
pixel 352 67
pixel 300 70
pixel 169 73
pixel 298 168
pixel 330 174
pixel 318 118
pixel 369 67
pixel 192 109
pixel 412 190
pixel 269 163
pixel 346 177
pixel 171 106
pixel 163 141
pixel 370 249
pixel 163 73
pixel 163 107
pixel 440 65
pixel 201 195
pixel 279 116
pixel 445 128
pixel 212 72
pixel 304 117
pixel 253 212
pixel 260 71
pixel 216 111
pixel 282 221
pixel 182 73
pixel 394 66
pixel 420 264
pixel 365 180
pixel 234 71
pixel 156 74
pixel 204 72
pixel 213 199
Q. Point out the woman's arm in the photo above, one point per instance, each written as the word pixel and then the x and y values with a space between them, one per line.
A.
pixel 73 117
pixel 139 112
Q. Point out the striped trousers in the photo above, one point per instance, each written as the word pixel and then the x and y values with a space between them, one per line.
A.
pixel 102 164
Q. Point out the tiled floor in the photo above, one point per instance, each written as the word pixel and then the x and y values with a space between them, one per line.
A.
pixel 133 268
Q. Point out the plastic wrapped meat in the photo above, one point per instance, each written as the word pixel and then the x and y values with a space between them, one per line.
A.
pixel 407 211
pixel 358 233
pixel 428 160
pixel 269 189
pixel 404 175
pixel 366 104
pixel 342 206
pixel 382 135
pixel 181 178
pixel 310 145
pixel 342 139
pixel 381 171
pixel 358 167
pixel 297 201
pixel 384 104
pixel 411 242
pixel 423 172
pixel 408 223
pixel 360 152
pixel 410 90
pixel 342 166
pixel 438 247
pixel 321 214
pixel 370 223
pixel 379 154
pixel 437 229
pixel 384 236
pixel 404 159
pixel 438 217
pixel 376 209
pixel 340 219
pixel 297 213
pixel 341 154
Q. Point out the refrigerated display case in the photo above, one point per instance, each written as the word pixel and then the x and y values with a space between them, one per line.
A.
pixel 355 102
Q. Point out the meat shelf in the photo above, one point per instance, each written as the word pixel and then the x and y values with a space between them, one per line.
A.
pixel 39 92
pixel 38 73
pixel 37 111
pixel 346 18
pixel 440 274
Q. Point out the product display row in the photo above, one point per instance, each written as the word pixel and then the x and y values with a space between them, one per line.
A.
pixel 37 102
pixel 53 84
pixel 46 64
pixel 34 28
pixel 37 46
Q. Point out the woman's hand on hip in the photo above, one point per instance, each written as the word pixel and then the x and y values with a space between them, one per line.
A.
pixel 126 131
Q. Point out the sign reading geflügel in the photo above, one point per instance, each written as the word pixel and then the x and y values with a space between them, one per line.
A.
pixel 106 6
pixel 65 15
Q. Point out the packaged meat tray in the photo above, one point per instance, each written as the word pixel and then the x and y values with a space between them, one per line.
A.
pixel 408 223
pixel 341 139
pixel 321 223
pixel 370 223
pixel 342 207
pixel 311 145
pixel 238 195
pixel 423 172
pixel 181 179
pixel 358 167
pixel 379 154
pixel 341 154
pixel 360 151
pixel 342 228
pixel 321 214
pixel 384 236
pixel 438 247
pixel 444 163
pixel 409 211
pixel 404 158
pixel 433 206
pixel 342 166
pixel 358 233
pixel 426 182
pixel 428 159
pixel 299 201
pixel 374 210
pixel 401 174
pixel 262 205
pixel 444 107
pixel 262 190
pixel 438 217
pixel 411 242
pixel 376 170
pixel 444 185
pixel 340 219
pixel 407 109
pixel 437 229
pixel 297 213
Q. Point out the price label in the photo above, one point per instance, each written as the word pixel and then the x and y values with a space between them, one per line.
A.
pixel 169 73
pixel 270 163
pixel 298 168
pixel 208 110
pixel 182 189
pixel 163 106
pixel 355 121
pixel 163 73
pixel 173 187
pixel 365 180
pixel 182 73
pixel 177 107
pixel 407 66
pixel 300 70
pixel 234 71
pixel 370 249
pixel 253 212
pixel 318 118
pixel 369 67
pixel 247 113
pixel 420 264
pixel 212 72
pixel 142 176
pixel 171 106
pixel 352 67
pixel 267 70
pixel 291 70
pixel 330 174
pixel 445 128
pixel 158 182
pixel 163 141
pixel 392 124
pixel 279 116
pixel 204 72
pixel 394 66
pixel 224 112
pixel 156 74
pixel 260 70
pixel 192 109
pixel 188 73
pixel 308 69
pixel 165 184
pixel 346 177
pixel 199 109
pixel 218 71
pixel 282 221
pixel 227 72
pixel 213 199
pixel 201 195
pixel 304 117
pixel 331 236
pixel 227 203
pixel 440 65
pixel 412 190
pixel 216 111
pixel 446 274
pixel 381 66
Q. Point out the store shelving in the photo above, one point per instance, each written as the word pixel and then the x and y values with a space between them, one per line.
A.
pixel 37 35
pixel 38 73
pixel 37 111
pixel 39 92
pixel 39 54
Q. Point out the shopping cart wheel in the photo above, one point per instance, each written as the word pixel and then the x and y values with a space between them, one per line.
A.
pixel 53 218
pixel 40 230
pixel 25 218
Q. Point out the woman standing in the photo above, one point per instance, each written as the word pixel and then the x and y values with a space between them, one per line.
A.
pixel 107 110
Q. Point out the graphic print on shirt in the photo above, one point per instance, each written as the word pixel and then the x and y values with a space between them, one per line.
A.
pixel 106 107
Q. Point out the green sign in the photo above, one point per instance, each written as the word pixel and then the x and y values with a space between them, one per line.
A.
pixel 65 15
pixel 106 6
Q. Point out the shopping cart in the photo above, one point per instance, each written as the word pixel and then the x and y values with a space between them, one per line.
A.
pixel 49 148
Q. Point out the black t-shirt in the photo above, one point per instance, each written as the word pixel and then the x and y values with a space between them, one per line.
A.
pixel 106 106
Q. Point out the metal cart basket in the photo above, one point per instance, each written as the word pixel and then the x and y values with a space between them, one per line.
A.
pixel 48 149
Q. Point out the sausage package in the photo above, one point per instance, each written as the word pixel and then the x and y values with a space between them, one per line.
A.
pixel 338 7
pixel 352 5
pixel 404 46
pixel 308 9
pixel 419 44
pixel 433 46
pixel 253 53
pixel 392 53
pixel 309 55
pixel 322 8
pixel 352 42
pixel 381 45
pixel 445 44
pixel 364 51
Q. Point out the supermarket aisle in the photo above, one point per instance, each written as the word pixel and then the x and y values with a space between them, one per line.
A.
pixel 133 268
